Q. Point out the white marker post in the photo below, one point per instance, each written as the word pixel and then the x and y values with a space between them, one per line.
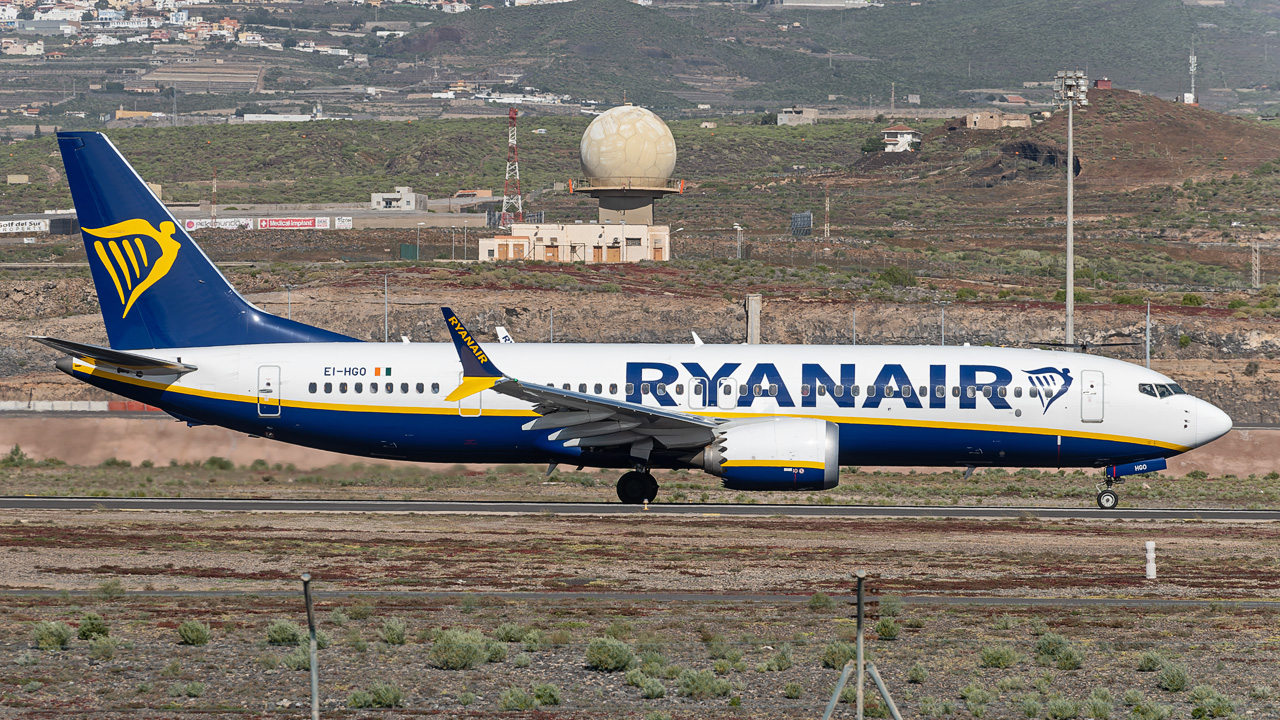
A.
pixel 1151 560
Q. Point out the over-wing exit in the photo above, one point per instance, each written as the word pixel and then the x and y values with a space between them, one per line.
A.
pixel 760 417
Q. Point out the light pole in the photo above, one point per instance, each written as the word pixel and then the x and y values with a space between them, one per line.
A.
pixel 290 289
pixel 453 243
pixel 738 227
pixel 417 244
pixel 464 241
pixel 1070 88
pixel 944 304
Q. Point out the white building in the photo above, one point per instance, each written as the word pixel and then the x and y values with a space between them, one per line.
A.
pixel 404 198
pixel 8 12
pixel 585 243
pixel 899 138
pixel 797 116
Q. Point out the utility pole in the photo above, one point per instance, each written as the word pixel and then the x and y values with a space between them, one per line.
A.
pixel 1148 334
pixel 1257 266
pixel 826 227
pixel 893 98
pixel 386 305
pixel 214 206
pixel 417 249
pixel 738 227
pixel 944 304
pixel 1070 88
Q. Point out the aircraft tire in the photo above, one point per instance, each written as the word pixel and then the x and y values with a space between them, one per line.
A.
pixel 650 488
pixel 1108 500
pixel 633 488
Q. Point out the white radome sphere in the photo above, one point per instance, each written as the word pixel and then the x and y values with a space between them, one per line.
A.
pixel 628 145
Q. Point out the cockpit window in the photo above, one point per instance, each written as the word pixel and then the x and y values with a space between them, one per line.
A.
pixel 1177 389
pixel 1164 391
pixel 1147 389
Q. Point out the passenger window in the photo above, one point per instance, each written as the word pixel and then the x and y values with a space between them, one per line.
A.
pixel 773 391
pixel 1034 392
pixel 924 391
pixel 565 386
pixel 742 390
pixel 679 389
pixel 888 391
pixel 644 388
pixel 328 388
pixel 871 391
pixel 599 388
pixel 1002 391
pixel 359 387
pixel 986 391
pixel 1177 389
pixel 1017 392
pixel 582 387
pixel 342 387
pixel 613 388
pixel 822 390
pixel 854 389
pixel 955 391
pixel 311 388
pixel 391 387
pixel 404 388
pixel 660 389
pixel 435 388
pixel 1147 389
pixel 755 390
pixel 940 391
pixel 971 391
pixel 838 391
pixel 1164 391
pixel 373 387
pixel 804 391
pixel 631 387
pixel 906 391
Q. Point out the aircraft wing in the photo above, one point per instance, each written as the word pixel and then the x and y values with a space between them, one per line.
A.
pixel 131 363
pixel 579 419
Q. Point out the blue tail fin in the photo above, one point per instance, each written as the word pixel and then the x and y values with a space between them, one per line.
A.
pixel 156 287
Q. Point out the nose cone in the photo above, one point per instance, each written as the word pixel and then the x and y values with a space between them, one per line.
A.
pixel 1211 423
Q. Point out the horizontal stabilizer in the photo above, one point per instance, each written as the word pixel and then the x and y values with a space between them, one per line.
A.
pixel 132 362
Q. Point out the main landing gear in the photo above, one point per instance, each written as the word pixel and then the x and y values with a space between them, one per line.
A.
pixel 636 487
pixel 1108 499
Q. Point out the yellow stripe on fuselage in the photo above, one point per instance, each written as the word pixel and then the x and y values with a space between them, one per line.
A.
pixel 774 463
pixel 87 368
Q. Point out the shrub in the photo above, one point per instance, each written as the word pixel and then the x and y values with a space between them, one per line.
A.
pixel 635 677
pixel 702 685
pixel 1030 707
pixel 466 699
pixel 821 602
pixel 1005 622
pixel 515 698
pixel 1051 644
pixel 26 658
pixel 111 589
pixel 781 660
pixel 284 632
pixel 1260 692
pixel 652 689
pixel 511 632
pixel 1061 709
pixel 497 651
pixel 609 655
pixel 900 276
pixel 360 610
pixel 1132 697
pixel 546 694
pixel 218 463
pixel 838 653
pixel 193 632
pixel 1192 300
pixel 360 699
pixel 49 635
pixel 792 690
pixel 92 625
pixel 386 696
pixel 1209 703
pixel 103 647
pixel 33 686
pixel 523 660
pixel 1071 658
pixel 535 640
pixel 1097 709
pixel 299 659
pixel 890 606
pixel 392 631
pixel 1150 661
pixel 1172 677
pixel 887 629
pixel 458 650
pixel 917 674
pixel 619 630
pixel 998 656
pixel 190 689
pixel 1151 711
pixel 337 617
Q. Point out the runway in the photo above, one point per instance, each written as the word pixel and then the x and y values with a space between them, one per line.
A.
pixel 585 508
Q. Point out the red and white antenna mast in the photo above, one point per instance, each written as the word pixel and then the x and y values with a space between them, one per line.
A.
pixel 512 205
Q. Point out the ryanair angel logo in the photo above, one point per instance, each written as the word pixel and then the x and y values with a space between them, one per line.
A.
pixel 1052 382
pixel 132 265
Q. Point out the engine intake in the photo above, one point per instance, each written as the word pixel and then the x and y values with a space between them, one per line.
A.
pixel 775 454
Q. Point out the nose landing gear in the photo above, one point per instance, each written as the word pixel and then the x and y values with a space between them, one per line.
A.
pixel 1108 499
pixel 636 487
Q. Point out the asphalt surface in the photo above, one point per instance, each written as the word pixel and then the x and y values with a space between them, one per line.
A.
pixel 585 508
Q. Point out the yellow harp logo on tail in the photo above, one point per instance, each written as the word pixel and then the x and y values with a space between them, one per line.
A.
pixel 132 265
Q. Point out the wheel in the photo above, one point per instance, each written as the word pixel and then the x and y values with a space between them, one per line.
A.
pixel 633 487
pixel 1108 499
pixel 650 488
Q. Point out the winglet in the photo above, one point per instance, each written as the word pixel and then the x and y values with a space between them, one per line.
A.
pixel 478 371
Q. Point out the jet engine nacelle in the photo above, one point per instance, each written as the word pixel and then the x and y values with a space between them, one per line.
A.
pixel 775 454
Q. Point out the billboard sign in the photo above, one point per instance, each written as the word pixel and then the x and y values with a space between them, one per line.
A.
pixel 17 226
pixel 342 223
pixel 222 223
pixel 297 223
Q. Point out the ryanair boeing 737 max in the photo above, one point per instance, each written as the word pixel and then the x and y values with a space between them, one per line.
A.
pixel 760 417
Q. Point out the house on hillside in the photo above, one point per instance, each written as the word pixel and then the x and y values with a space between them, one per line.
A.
pixel 899 138
pixel 995 120
pixel 798 116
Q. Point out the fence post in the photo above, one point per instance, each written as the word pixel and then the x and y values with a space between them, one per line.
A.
pixel 315 664
pixel 862 576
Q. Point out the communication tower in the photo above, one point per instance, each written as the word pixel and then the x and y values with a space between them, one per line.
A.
pixel 1193 70
pixel 512 205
